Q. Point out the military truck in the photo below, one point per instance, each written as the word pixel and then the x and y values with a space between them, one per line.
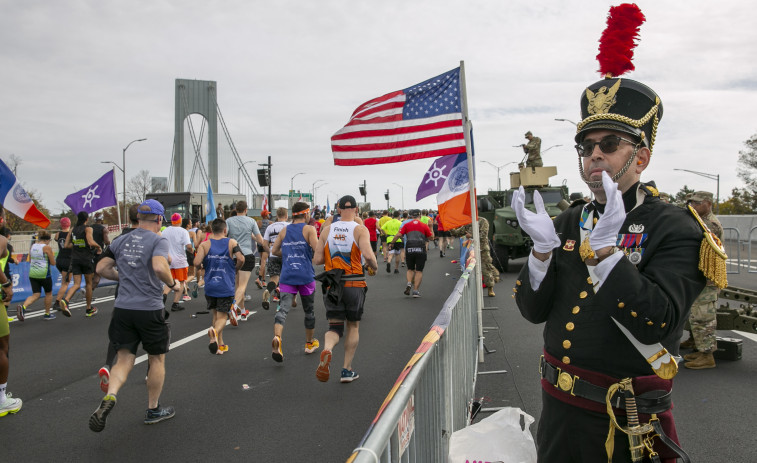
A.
pixel 508 240
pixel 192 205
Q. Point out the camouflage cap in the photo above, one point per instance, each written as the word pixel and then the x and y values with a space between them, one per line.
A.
pixel 700 196
pixel 528 133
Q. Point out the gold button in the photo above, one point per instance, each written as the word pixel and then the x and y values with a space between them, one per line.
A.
pixel 588 280
pixel 517 282
pixel 583 294
pixel 633 314
pixel 515 290
pixel 621 305
pixel 513 296
pixel 576 309
pixel 566 344
pixel 663 325
pixel 569 326
pixel 566 360
pixel 650 323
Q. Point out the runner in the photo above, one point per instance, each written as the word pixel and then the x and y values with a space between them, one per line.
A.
pixel 273 266
pixel 416 234
pixel 243 230
pixel 63 262
pixel 264 223
pixel 391 227
pixel 186 224
pixel 295 245
pixel 82 243
pixel 178 246
pixel 8 404
pixel 100 235
pixel 372 225
pixel 40 259
pixel 217 255
pixel 342 247
pixel 142 260
pixel 384 219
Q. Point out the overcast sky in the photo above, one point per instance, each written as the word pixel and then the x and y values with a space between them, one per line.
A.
pixel 81 79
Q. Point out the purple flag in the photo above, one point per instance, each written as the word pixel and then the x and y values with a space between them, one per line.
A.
pixel 436 175
pixel 100 194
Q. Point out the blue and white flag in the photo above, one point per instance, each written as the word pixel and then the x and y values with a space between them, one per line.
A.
pixel 210 206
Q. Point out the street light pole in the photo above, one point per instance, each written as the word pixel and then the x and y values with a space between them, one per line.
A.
pixel 715 177
pixel 315 189
pixel 402 192
pixel 499 181
pixel 123 163
pixel 567 120
pixel 312 192
pixel 235 186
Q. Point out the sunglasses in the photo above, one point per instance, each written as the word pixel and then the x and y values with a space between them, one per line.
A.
pixel 607 145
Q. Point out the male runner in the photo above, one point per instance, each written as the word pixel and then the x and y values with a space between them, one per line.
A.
pixel 178 245
pixel 217 254
pixel 295 245
pixel 8 404
pixel 391 227
pixel 63 262
pixel 100 235
pixel 415 233
pixel 342 247
pixel 273 266
pixel 243 229
pixel 142 260
pixel 83 243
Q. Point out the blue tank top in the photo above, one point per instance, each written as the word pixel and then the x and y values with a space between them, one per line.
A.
pixel 297 257
pixel 220 272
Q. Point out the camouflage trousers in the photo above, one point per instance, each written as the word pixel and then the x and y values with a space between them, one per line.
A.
pixel 703 319
pixel 490 274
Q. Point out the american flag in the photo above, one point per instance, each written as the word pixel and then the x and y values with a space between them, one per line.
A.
pixel 421 121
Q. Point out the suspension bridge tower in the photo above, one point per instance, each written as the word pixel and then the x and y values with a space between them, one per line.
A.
pixel 195 97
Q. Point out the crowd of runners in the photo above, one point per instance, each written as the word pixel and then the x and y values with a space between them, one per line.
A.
pixel 153 262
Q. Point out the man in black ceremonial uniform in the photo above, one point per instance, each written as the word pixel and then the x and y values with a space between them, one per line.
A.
pixel 626 260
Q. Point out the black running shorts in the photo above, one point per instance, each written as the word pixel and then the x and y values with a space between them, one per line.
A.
pixel 129 328
pixel 415 261
pixel 273 266
pixel 350 306
pixel 221 304
pixel 63 265
pixel 82 267
pixel 38 284
pixel 249 263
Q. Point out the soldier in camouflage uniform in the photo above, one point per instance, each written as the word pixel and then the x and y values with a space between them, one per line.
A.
pixel 490 274
pixel 533 148
pixel 703 319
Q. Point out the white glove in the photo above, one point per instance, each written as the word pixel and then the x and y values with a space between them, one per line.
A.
pixel 605 232
pixel 538 225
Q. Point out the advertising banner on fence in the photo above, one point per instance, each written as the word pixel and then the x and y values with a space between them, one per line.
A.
pixel 22 288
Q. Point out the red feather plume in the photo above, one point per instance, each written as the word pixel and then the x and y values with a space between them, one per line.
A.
pixel 619 39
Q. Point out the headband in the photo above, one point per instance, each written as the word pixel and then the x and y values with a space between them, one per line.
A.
pixel 301 212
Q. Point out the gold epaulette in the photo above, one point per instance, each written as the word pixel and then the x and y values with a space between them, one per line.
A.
pixel 650 189
pixel 712 255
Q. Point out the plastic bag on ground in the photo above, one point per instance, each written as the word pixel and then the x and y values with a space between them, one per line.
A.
pixel 498 438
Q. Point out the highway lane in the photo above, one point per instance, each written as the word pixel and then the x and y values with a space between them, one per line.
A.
pixel 282 414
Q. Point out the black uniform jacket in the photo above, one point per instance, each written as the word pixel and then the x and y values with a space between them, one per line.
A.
pixel 652 299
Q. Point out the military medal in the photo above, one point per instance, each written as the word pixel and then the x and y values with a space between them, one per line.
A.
pixel 569 245
pixel 635 257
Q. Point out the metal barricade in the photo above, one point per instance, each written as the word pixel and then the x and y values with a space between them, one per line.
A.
pixel 432 396
pixel 750 263
pixel 732 244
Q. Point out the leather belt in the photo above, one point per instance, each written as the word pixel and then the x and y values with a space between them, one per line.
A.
pixel 649 402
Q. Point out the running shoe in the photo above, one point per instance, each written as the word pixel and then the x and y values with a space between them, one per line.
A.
pixel 91 312
pixel 266 296
pixel 213 346
pixel 175 307
pixel 349 376
pixel 247 297
pixel 158 414
pixel 97 420
pixel 49 316
pixel 407 289
pixel 195 291
pixel 186 297
pixel 223 348
pixel 104 375
pixel 441 253
pixel 402 264
pixel 416 293
pixel 388 267
pixel 396 270
pixel 233 315
pixel 277 354
pixel 56 305
pixel 64 308
pixel 276 295
pixel 201 284
pixel 322 372
pixel 20 311
pixel 243 316
pixel 259 283
pixel 312 346
pixel 10 405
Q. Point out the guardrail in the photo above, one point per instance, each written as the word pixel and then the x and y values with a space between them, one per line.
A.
pixel 433 395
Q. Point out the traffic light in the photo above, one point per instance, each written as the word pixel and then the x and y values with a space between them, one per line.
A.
pixel 386 195
pixel 362 190
pixel 263 177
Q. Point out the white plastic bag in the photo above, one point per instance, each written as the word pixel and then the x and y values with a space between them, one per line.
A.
pixel 498 438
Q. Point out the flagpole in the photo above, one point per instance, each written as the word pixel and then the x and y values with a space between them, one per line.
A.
pixel 115 190
pixel 478 290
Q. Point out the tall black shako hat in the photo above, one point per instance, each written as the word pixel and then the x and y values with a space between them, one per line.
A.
pixel 619 104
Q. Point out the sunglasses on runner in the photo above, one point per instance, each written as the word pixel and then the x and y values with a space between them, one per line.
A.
pixel 607 145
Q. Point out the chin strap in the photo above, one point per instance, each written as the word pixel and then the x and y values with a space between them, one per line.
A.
pixel 615 177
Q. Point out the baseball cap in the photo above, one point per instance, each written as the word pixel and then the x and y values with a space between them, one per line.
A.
pixel 700 196
pixel 151 206
pixel 415 212
pixel 65 221
pixel 347 202
pixel 176 219
pixel 98 215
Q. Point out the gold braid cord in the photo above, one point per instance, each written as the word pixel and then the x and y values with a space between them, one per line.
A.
pixel 638 123
pixel 712 255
